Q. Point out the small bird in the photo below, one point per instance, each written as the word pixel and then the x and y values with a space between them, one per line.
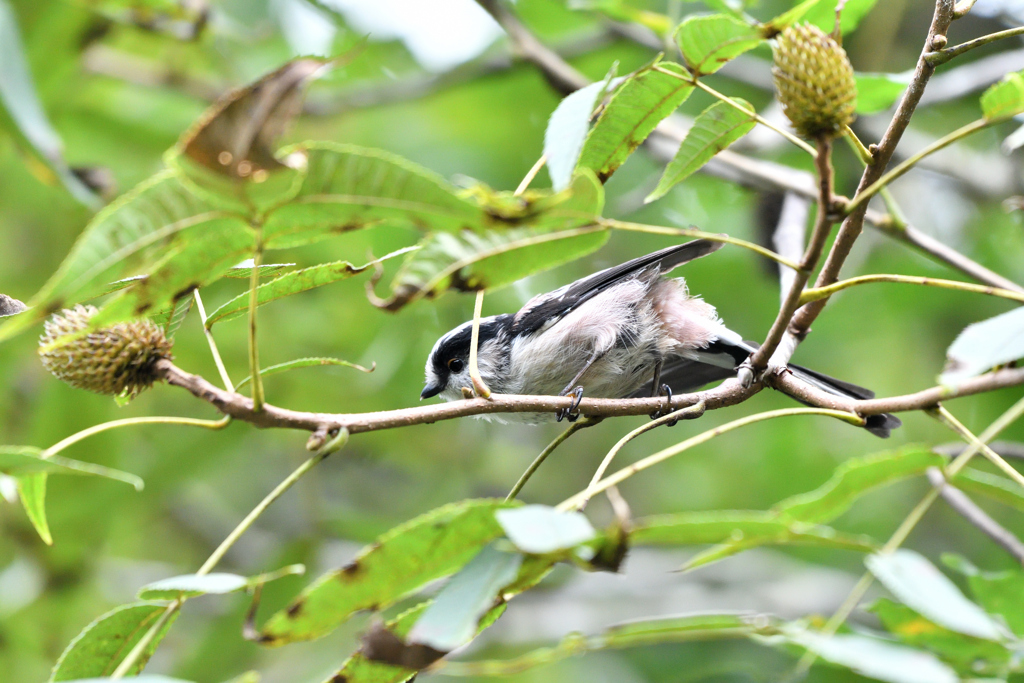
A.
pixel 623 332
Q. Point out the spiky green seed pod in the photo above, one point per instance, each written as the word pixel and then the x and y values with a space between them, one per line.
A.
pixel 115 360
pixel 814 81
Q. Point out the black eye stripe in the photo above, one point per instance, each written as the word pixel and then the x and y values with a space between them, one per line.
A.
pixel 455 365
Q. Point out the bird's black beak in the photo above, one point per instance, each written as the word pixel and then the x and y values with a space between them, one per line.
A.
pixel 430 390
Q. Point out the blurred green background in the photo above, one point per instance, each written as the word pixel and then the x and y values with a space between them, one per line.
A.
pixel 434 86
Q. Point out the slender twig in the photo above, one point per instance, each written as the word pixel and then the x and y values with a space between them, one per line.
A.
pixel 131 421
pixel 479 386
pixel 903 531
pixel 824 292
pixel 864 195
pixel 530 175
pixel 950 421
pixel 254 352
pixel 693 232
pixel 213 344
pixel 739 107
pixel 822 227
pixel 728 393
pixel 1007 449
pixel 969 510
pixel 693 411
pixel 946 54
pixel 663 455
pixel 539 460
pixel 137 652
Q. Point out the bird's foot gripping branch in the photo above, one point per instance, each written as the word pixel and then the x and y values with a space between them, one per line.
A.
pixel 624 341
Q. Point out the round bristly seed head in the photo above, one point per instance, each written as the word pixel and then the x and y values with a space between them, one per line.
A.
pixel 814 81
pixel 115 360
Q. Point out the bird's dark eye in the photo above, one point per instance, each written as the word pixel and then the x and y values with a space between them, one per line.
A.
pixel 456 365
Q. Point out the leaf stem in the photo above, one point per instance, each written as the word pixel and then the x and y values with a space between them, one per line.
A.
pixel 539 460
pixel 481 388
pixel 330 447
pixel 213 344
pixel 910 161
pixel 530 175
pixel 693 232
pixel 947 418
pixel 661 456
pixel 127 422
pixel 817 293
pixel 254 352
pixel 696 410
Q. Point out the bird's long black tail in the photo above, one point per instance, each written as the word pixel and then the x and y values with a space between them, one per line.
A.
pixel 879 425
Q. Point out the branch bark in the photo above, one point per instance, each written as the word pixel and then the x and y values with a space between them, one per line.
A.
pixel 969 510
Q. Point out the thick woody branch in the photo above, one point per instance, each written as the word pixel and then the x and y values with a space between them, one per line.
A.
pixel 728 393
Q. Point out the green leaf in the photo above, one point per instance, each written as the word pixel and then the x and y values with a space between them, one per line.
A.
pixel 293 283
pixel 823 14
pixel 202 259
pixel 145 678
pixel 192 585
pixel 471 262
pixel 878 92
pixel 567 129
pixel 171 317
pixel 347 188
pixel 25 460
pixel 100 647
pixel 303 363
pixel 967 654
pixel 131 234
pixel 243 270
pixel 540 529
pixel 681 629
pixel 716 128
pixel 1001 593
pixel 453 617
pixel 852 479
pixel 622 11
pixel 1005 99
pixel 994 486
pixel 403 560
pixel 636 108
pixel 875 658
pixel 32 493
pixel 22 114
pixel 709 42
pixel 774 26
pixel 924 589
pixel 985 345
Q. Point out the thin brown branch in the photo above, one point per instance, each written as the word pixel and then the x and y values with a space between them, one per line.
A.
pixel 728 393
pixel 883 153
pixel 1007 449
pixel 969 510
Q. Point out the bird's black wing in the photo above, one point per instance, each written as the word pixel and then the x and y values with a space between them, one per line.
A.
pixel 544 308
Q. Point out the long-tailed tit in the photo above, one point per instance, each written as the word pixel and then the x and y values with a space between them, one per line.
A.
pixel 622 332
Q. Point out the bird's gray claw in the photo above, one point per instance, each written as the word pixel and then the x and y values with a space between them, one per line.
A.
pixel 666 391
pixel 571 413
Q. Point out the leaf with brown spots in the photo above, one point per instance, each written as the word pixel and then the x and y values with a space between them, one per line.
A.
pixel 403 560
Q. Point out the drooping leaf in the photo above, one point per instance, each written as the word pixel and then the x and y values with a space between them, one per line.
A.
pixel 715 128
pixel 217 583
pixel 303 363
pixel 984 345
pixel 994 486
pixel 103 644
pixel 32 493
pixel 1005 99
pixel 540 529
pixel 875 658
pixel 22 114
pixel 965 653
pixel 823 14
pixel 293 283
pixel 133 233
pixel 709 42
pixel 347 187
pixel 453 617
pixel 429 547
pixel 25 460
pixel 623 11
pixel 636 108
pixel 919 585
pixel 878 92
pixel 681 629
pixel 567 129
pixel 170 317
pixel 1001 593
pixel 852 479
